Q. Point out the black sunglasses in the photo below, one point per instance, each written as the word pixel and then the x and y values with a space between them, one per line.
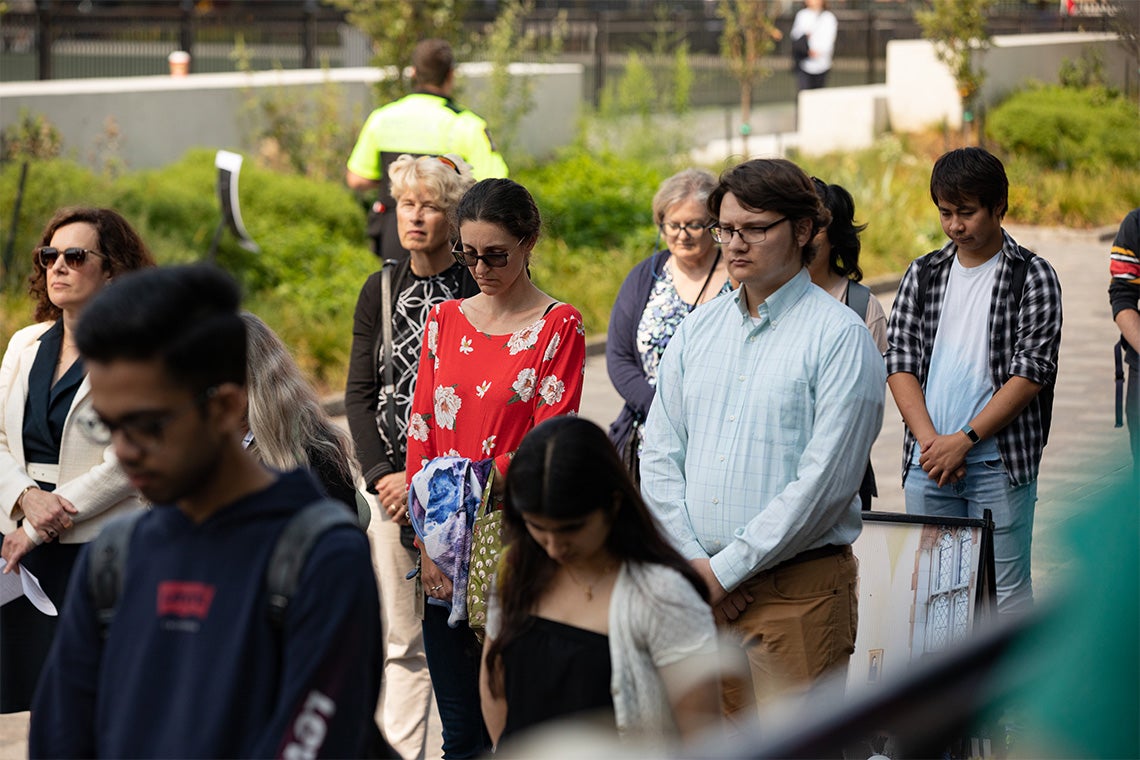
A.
pixel 493 260
pixel 73 257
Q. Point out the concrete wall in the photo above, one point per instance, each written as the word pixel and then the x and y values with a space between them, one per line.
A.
pixel 841 118
pixel 159 118
pixel 922 93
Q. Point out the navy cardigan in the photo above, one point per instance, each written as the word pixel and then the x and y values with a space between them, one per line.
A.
pixel 623 363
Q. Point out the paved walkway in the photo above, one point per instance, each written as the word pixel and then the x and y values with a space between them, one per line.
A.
pixel 1085 455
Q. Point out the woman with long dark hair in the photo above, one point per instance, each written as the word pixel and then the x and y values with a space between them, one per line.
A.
pixel 596 614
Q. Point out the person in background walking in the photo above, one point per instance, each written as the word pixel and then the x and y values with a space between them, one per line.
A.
pixel 819 27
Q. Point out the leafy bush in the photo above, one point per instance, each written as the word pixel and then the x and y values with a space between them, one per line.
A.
pixel 305 281
pixel 1064 128
pixel 592 199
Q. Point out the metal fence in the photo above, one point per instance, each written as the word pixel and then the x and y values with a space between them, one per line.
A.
pixel 55 39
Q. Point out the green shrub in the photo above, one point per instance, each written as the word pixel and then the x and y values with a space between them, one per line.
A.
pixel 594 200
pixel 1066 129
pixel 49 185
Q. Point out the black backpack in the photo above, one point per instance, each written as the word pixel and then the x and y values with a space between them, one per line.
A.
pixel 107 560
pixel 1020 267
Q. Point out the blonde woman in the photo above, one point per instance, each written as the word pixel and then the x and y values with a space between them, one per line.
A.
pixel 377 399
pixel 287 426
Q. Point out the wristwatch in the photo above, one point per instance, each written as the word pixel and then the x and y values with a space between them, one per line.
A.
pixel 969 431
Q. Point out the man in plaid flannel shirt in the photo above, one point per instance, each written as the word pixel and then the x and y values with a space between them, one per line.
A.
pixel 967 360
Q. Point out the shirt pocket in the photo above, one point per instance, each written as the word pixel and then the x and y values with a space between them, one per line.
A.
pixel 787 409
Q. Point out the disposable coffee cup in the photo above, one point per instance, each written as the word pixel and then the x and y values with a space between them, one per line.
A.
pixel 179 62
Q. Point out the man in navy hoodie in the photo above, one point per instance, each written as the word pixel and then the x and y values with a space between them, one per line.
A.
pixel 191 665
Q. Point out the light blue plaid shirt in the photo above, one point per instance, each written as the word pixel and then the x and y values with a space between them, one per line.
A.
pixel 759 434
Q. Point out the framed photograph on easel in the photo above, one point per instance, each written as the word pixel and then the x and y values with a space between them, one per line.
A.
pixel 924 584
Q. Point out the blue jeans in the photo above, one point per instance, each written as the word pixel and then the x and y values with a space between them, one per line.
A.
pixel 987 486
pixel 453 660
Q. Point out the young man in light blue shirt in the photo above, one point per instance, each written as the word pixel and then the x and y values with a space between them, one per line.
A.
pixel 768 401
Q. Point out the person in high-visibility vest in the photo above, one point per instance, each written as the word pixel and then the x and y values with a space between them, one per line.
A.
pixel 424 122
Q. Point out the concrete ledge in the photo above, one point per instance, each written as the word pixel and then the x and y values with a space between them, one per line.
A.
pixel 841 118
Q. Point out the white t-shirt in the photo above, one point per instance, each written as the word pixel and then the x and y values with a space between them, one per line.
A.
pixel 821 26
pixel 958 385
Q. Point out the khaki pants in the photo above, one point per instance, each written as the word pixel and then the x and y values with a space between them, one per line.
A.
pixel 406 713
pixel 800 625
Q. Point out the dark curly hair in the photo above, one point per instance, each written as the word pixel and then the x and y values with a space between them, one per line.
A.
pixel 842 232
pixel 122 248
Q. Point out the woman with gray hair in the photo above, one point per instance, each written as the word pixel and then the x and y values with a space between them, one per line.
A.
pixel 659 293
pixel 387 335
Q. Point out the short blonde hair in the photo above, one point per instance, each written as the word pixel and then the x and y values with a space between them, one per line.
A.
pixel 445 178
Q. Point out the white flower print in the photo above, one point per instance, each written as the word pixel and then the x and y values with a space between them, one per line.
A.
pixel 525 338
pixel 489 445
pixel 482 388
pixel 552 348
pixel 433 337
pixel 450 453
pixel 447 403
pixel 551 390
pixel 579 327
pixel 417 427
pixel 465 346
pixel 523 385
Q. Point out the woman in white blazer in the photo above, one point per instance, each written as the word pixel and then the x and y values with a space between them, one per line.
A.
pixel 57 488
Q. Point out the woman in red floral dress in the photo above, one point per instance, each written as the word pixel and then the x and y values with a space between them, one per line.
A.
pixel 492 367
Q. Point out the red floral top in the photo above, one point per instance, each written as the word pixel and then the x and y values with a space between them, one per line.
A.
pixel 477 395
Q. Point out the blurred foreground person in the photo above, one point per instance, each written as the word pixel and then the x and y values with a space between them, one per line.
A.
pixel 186 646
pixel 596 616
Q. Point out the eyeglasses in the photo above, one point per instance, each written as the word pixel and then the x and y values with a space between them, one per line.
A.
pixel 750 235
pixel 73 257
pixel 493 260
pixel 143 430
pixel 693 228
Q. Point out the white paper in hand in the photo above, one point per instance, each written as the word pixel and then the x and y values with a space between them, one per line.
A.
pixel 13 586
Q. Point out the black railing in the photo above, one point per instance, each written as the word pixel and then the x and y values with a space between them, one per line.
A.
pixel 56 39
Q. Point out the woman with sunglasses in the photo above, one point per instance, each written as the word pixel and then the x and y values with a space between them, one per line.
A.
pixel 659 293
pixel 595 615
pixel 492 367
pixel 378 397
pixel 57 489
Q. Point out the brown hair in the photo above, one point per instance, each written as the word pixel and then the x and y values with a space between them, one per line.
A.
pixel 433 61
pixel 774 184
pixel 122 248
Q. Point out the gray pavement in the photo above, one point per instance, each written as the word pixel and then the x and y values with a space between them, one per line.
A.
pixel 1085 454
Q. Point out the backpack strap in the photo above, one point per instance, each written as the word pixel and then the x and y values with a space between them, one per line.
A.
pixel 382 351
pixel 106 566
pixel 292 550
pixel 858 298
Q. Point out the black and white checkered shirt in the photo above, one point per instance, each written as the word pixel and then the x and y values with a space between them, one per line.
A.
pixel 1023 344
